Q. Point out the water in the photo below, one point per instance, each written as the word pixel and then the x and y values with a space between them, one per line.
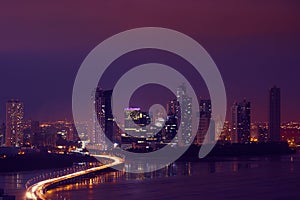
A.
pixel 14 183
pixel 276 177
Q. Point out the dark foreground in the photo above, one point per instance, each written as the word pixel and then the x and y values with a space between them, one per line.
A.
pixel 38 161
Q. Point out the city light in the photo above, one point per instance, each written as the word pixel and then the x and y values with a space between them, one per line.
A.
pixel 36 191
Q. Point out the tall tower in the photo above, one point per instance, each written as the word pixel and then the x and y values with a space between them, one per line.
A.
pixel 274 115
pixel 234 123
pixel 204 122
pixel 2 134
pixel 14 123
pixel 104 116
pixel 173 108
pixel 173 118
pixel 185 102
pixel 241 122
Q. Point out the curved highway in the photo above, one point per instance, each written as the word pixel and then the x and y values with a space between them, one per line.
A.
pixel 36 191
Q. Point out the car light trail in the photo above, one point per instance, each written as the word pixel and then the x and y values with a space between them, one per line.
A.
pixel 36 191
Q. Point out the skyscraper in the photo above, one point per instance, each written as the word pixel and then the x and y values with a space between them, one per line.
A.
pixel 185 102
pixel 104 116
pixel 2 134
pixel 170 129
pixel 204 122
pixel 173 119
pixel 173 108
pixel 14 123
pixel 234 123
pixel 241 122
pixel 274 114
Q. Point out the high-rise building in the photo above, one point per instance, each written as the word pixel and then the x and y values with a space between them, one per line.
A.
pixel 274 115
pixel 263 135
pixel 170 129
pixel 136 122
pixel 185 116
pixel 105 118
pixel 27 137
pixel 241 122
pixel 2 134
pixel 225 135
pixel 173 108
pixel 14 123
pixel 129 125
pixel 173 119
pixel 204 122
pixel 140 132
pixel 234 123
pixel 36 133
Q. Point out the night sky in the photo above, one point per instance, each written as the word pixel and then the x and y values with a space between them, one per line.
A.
pixel 255 44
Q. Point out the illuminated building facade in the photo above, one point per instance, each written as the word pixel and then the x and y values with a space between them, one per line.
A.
pixel 172 123
pixel 204 122
pixel 225 136
pixel 185 116
pixel 104 117
pixel 14 123
pixel 263 135
pixel 173 108
pixel 241 122
pixel 136 122
pixel 170 129
pixel 2 134
pixel 139 132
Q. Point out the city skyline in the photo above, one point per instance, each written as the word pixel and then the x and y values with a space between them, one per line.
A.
pixel 161 128
pixel 21 133
pixel 144 107
pixel 156 99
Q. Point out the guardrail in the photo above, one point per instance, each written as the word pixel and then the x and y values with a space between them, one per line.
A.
pixel 36 186
pixel 56 174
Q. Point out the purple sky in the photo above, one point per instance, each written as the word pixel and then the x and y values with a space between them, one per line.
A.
pixel 255 44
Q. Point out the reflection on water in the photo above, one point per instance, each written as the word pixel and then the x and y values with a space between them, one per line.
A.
pixel 178 169
pixel 13 183
pixel 175 169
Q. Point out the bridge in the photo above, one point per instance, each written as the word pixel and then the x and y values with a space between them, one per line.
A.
pixel 37 190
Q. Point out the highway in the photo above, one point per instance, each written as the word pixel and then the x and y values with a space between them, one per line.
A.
pixel 36 191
